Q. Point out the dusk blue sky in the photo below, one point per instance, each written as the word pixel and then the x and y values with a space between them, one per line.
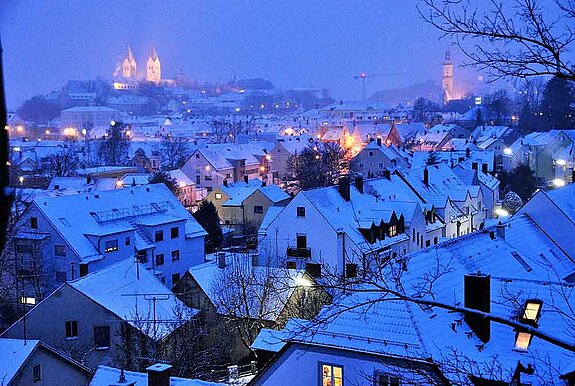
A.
pixel 295 44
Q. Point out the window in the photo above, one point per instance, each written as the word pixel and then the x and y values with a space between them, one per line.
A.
pixel 71 329
pixel 392 230
pixel 175 232
pixel 60 250
pixel 351 270
pixel 160 259
pixel 386 380
pixel 291 265
pixel 198 180
pixel 110 246
pixel 60 276
pixel 159 236
pixel 435 240
pixel 102 337
pixel 208 177
pixel 175 255
pixel 301 241
pixel 127 241
pixel 175 278
pixel 531 312
pixel 313 269
pixel 142 257
pixel 197 156
pixel 427 243
pixel 331 375
pixel 371 154
pixel 218 196
pixel 258 209
pixel 522 340
pixel 33 222
pixel 27 300
pixel 301 211
pixel 37 372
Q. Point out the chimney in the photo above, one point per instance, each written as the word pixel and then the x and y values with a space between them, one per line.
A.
pixel 359 183
pixel 226 182
pixel 221 260
pixel 474 165
pixel 246 179
pixel 88 179
pixel 159 374
pixel 255 260
pixel 573 176
pixel 264 183
pixel 477 294
pixel 484 168
pixel 426 177
pixel 343 187
pixel 467 152
pixel 500 230
pixel 387 174
pixel 379 141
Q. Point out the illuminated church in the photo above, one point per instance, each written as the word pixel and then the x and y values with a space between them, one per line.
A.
pixel 129 70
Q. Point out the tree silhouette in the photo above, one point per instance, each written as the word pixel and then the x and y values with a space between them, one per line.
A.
pixel 207 217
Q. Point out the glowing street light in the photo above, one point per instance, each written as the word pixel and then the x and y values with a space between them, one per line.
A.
pixel 560 162
pixel 507 151
pixel 558 182
pixel 302 281
pixel 501 212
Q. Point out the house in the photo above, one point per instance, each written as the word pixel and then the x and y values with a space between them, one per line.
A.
pixel 237 296
pixel 408 131
pixel 209 167
pixel 187 189
pixel 438 137
pixel 243 205
pixel 374 159
pixel 31 362
pixel 158 374
pixel 343 228
pixel 285 149
pixel 109 317
pixel 516 336
pixel 61 238
pixel 92 121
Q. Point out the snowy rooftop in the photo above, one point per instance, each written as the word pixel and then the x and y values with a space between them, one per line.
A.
pixel 98 213
pixel 109 376
pixel 18 351
pixel 119 289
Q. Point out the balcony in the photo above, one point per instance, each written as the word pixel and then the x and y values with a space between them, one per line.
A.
pixel 299 252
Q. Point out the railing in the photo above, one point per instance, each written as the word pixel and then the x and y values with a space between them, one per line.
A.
pixel 136 210
pixel 299 252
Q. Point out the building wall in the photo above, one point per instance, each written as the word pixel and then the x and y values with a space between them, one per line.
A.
pixel 67 304
pixel 203 174
pixel 358 368
pixel 54 369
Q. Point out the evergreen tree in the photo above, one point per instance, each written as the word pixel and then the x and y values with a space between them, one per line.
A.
pixel 164 177
pixel 558 96
pixel 207 217
pixel 520 180
pixel 432 158
pixel 113 148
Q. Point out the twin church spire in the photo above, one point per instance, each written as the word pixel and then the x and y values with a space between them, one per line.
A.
pixel 153 66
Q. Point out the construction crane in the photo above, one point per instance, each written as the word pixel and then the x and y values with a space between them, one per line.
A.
pixel 363 76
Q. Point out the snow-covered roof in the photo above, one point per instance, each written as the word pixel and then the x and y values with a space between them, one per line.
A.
pixel 15 353
pixel 294 145
pixel 135 179
pixel 268 288
pixel 181 178
pixel 409 130
pixel 99 213
pixel 484 132
pixel 107 376
pixel 239 191
pixel 127 290
pixel 274 193
pixel 74 185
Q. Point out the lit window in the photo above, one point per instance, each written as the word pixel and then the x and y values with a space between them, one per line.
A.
pixel 110 246
pixel 392 230
pixel 522 340
pixel 331 375
pixel 531 312
pixel 218 196
pixel 28 300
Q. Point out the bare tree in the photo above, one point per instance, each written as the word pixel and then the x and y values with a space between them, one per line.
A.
pixel 174 150
pixel 519 38
pixel 62 164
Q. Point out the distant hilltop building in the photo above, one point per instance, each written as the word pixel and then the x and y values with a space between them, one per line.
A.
pixel 129 71
pixel 447 79
pixel 153 69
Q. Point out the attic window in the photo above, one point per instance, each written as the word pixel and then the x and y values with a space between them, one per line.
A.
pixel 218 196
pixel 523 340
pixel 392 230
pixel 531 311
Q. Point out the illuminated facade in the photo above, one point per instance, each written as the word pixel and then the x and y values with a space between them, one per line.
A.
pixel 447 78
pixel 129 66
pixel 153 67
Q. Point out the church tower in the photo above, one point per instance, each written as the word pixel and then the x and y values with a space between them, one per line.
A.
pixel 447 79
pixel 129 67
pixel 153 69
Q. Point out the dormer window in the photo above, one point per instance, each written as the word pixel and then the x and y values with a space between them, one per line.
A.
pixel 392 230
pixel 531 311
pixel 522 340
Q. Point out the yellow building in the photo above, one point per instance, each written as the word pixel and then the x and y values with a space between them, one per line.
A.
pixel 129 66
pixel 153 68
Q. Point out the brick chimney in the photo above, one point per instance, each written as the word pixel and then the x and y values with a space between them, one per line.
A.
pixel 159 374
pixel 500 230
pixel 221 260
pixel 359 183
pixel 343 187
pixel 379 141
pixel 246 178
pixel 477 294
pixel 226 182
